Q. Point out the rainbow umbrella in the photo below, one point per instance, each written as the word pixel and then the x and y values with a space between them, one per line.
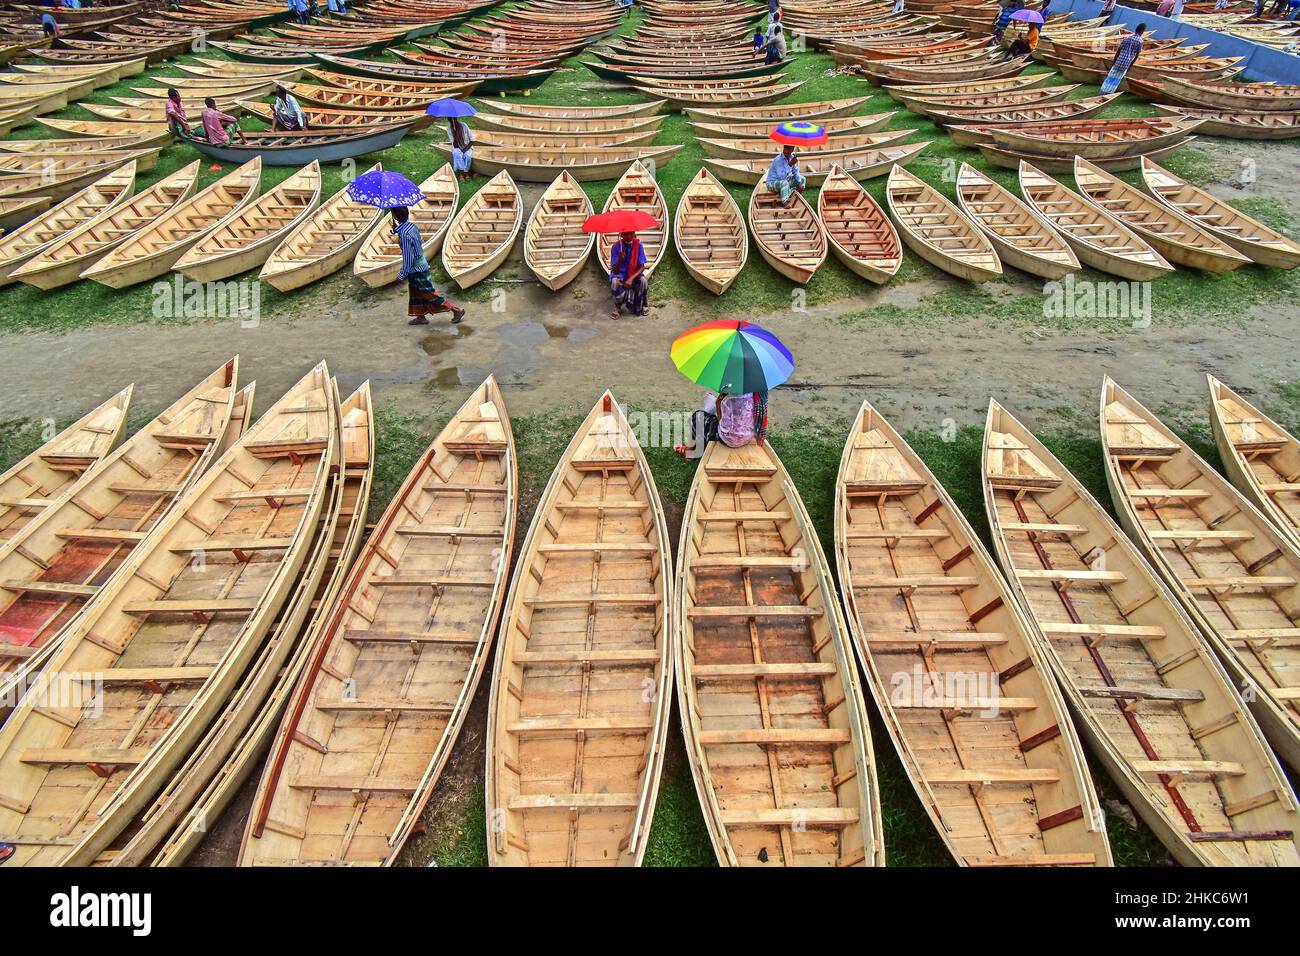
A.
pixel 799 133
pixel 732 356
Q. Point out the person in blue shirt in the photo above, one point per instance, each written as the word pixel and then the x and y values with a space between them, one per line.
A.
pixel 50 25
pixel 422 298
pixel 627 281
pixel 760 40
pixel 783 175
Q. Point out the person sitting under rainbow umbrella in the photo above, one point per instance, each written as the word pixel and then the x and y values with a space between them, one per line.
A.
pixel 783 176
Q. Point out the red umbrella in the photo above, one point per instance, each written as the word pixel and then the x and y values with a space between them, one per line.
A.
pixel 620 220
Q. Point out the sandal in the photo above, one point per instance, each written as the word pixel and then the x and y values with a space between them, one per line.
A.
pixel 457 315
pixel 418 320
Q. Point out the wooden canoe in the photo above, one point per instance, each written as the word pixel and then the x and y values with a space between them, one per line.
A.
pixel 771 707
pixel 1239 124
pixel 943 74
pixel 143 110
pixel 370 84
pixel 146 141
pixel 762 130
pixel 63 261
pixel 778 113
pixel 154 249
pixel 1174 236
pixel 293 148
pixel 681 99
pixel 1246 96
pixel 107 191
pixel 933 104
pixel 555 245
pixel 836 146
pixel 482 234
pixel 637 189
pixel 859 232
pixel 323 118
pixel 971 708
pixel 709 233
pixel 1109 628
pixel 1262 244
pixel 1097 238
pixel 321 243
pixel 507 122
pixel 341 99
pixel 1259 456
pixel 79 544
pixel 57 185
pixel 20 210
pixel 1236 574
pixel 1019 236
pixel 938 231
pixel 571 112
pixel 584 164
pixel 791 238
pixel 972 87
pixel 70 163
pixel 379 259
pixel 1064 111
pixel 431 576
pixel 93 131
pixel 527 140
pixel 246 239
pixel 577 727
pixel 1064 165
pixel 863 164
pixel 1094 138
pixel 53 471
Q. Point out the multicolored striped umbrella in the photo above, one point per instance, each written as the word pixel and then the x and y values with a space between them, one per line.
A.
pixel 732 356
pixel 799 133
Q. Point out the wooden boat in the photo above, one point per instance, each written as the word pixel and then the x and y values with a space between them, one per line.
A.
pixel 981 731
pixel 681 98
pixel 941 74
pixel 637 189
pixel 1019 236
pixel 64 164
pixel 863 164
pixel 577 729
pixel 345 99
pixel 1239 124
pixel 709 233
pixel 368 84
pixel 1236 574
pixel 1229 96
pixel 834 127
pixel 321 118
pixel 298 147
pixel 512 108
pixel 94 131
pixel 246 239
pixel 791 238
pixel 561 141
pixel 380 257
pixel 1094 138
pixel 73 549
pixel 482 234
pixel 1259 456
pixel 555 245
pixel 932 104
pixel 938 231
pixel 144 110
pixel 1065 111
pixel 1174 236
pixel 565 127
pixel 775 725
pixel 148 141
pixel 1097 238
pixel 1063 165
pixel 777 113
pixel 21 209
pixel 55 469
pixel 322 242
pixel 859 232
pixel 154 249
pixel 584 164
pixel 1141 683
pixel 972 87
pixel 104 193
pixel 63 261
pixel 202 639
pixel 839 145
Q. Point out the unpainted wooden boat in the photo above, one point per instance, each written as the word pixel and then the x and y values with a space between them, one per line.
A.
pixel 153 250
pixel 1096 237
pixel 555 245
pixel 298 147
pixel 679 98
pixel 507 122
pixel 19 210
pixel 246 239
pixel 1237 123
pixel 777 113
pixel 145 110
pixel 835 127
pixel 773 714
pixel 482 234
pixel 970 706
pixel 709 233
pixel 1236 574
pixel 1094 138
pixel 1064 165
pixel 973 87
pixel 1019 236
pixel 321 243
pixel 1064 111
pixel 370 84
pixel 845 143
pixel 1146 691
pixel 638 190
pixel 790 237
pixel 349 99
pixel 859 232
pixel 938 231
pixel 148 141
pixel 1262 244
pixel 935 104
pixel 71 163
pixel 323 118
pixel 570 112
pixel 94 130
pixel 526 140
pixel 1246 96
pixel 379 259
pixel 584 164
pixel 860 164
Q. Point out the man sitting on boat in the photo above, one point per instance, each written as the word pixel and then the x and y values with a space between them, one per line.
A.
pixel 286 114
pixel 216 124
pixel 783 175
pixel 627 281
pixel 775 46
pixel 178 123
pixel 422 298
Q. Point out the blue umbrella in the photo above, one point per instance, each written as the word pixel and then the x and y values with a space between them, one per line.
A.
pixel 384 189
pixel 450 107
pixel 1029 16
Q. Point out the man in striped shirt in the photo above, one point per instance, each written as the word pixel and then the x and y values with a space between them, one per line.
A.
pixel 1129 49
pixel 422 298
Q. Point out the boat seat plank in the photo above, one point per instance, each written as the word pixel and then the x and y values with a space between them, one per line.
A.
pixel 791 816
pixel 1009 776
pixel 1190 768
pixel 776 736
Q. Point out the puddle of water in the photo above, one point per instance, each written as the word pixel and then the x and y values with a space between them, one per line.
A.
pixel 440 340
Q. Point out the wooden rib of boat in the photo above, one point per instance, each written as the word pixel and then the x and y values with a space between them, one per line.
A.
pixel 863 164
pixel 637 189
pixel 584 164
pixel 834 127
pixel 1097 238
pixel 55 469
pixel 773 714
pixel 681 99
pixel 981 730
pixel 506 122
pixel 938 231
pixel 1236 574
pixel 1262 244
pixel 555 245
pixel 379 259
pixel 844 143
pixel 512 108
pixel 104 193
pixel 929 104
pixel 777 113
pixel 525 140
pixel 790 237
pixel 709 233
pixel 321 243
pixel 1239 124
pixel 153 250
pixel 1259 456
pixel 1019 236
pixel 482 234
pixel 1110 630
pixel 1065 111
pixel 972 87
pixel 577 726
pixel 1174 236
pixel 859 232
pixel 321 118
pixel 246 239
pixel 1228 96
pixel 167 636
pixel 63 261
pixel 72 550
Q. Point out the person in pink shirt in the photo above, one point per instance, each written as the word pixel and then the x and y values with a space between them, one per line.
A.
pixel 216 124
pixel 177 121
